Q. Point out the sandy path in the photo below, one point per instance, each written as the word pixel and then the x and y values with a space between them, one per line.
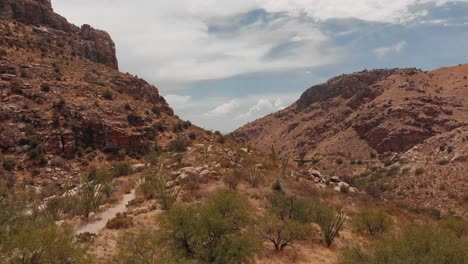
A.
pixel 97 226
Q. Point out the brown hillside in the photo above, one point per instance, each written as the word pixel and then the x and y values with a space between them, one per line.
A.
pixel 410 118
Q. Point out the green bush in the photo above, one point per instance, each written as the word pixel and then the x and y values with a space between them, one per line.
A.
pixel 372 222
pixel 288 220
pixel 218 232
pixel 121 169
pixel 31 238
pixel 178 145
pixel 414 245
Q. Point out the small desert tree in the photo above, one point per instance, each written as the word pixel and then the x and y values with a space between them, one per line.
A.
pixel 288 220
pixel 372 222
pixel 218 232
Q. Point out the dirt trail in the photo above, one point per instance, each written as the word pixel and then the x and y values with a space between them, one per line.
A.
pixel 97 226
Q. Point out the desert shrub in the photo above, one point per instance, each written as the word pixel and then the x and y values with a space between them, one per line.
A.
pixel 254 177
pixel 277 186
pixel 111 149
pixel 330 221
pixel 159 126
pixel 393 171
pixel 134 119
pixel 419 171
pixel 232 180
pixel 53 209
pixel 450 148
pixel 288 220
pixel 120 221
pixel 413 245
pixel 372 222
pixel 9 164
pixel 344 188
pixel 108 95
pixel 30 238
pixel 15 87
pixel 45 87
pixel 221 139
pixel 218 232
pixel 127 107
pixel 456 225
pixel 443 162
pixel 192 136
pixel 121 169
pixel 339 161
pixel 104 177
pixel 37 154
pixel 156 186
pixel 90 197
pixel 178 127
pixel 178 145
pixel 156 111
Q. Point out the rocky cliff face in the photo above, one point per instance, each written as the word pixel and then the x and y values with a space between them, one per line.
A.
pixel 57 101
pixel 357 126
pixel 95 45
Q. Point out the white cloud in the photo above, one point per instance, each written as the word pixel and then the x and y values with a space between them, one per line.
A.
pixel 264 106
pixel 177 101
pixel 396 48
pixel 224 109
pixel 169 42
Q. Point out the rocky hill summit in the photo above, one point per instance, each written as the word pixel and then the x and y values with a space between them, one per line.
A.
pixel 407 118
pixel 90 43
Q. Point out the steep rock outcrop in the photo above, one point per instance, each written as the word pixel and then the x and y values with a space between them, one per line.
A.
pixel 95 45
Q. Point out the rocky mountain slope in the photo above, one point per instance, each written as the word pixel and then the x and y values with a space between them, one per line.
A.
pixel 62 97
pixel 355 124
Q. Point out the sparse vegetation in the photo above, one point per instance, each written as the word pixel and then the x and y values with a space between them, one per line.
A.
pixel 415 244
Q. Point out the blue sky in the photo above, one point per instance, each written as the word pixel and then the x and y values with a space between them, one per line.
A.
pixel 221 64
